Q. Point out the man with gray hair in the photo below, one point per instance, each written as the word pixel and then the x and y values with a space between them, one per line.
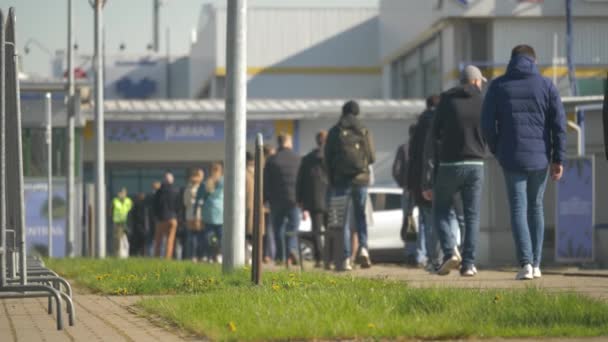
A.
pixel 461 148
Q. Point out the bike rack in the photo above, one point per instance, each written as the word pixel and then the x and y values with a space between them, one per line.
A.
pixel 21 276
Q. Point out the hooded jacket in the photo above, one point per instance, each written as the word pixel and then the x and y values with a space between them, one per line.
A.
pixel 347 121
pixel 457 125
pixel 523 118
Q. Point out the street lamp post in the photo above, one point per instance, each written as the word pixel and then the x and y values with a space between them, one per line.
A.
pixel 70 179
pixel 233 244
pixel 100 188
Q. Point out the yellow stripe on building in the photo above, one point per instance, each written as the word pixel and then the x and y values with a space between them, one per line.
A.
pixel 316 70
pixel 560 71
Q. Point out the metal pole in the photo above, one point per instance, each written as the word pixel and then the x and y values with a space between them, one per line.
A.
pixel 49 171
pixel 555 57
pixel 156 26
pixel 258 211
pixel 3 220
pixel 580 115
pixel 100 188
pixel 168 71
pixel 71 154
pixel 233 245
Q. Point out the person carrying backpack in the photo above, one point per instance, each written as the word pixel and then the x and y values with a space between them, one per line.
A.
pixel 349 152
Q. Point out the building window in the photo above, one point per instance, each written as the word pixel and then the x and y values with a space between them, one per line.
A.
pixel 432 77
pixel 411 84
pixel 35 152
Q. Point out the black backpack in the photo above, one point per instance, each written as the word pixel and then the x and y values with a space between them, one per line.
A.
pixel 352 157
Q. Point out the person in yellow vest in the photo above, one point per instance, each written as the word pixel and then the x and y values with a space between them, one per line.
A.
pixel 121 206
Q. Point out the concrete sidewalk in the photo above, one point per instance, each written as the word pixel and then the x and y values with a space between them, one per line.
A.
pixel 593 283
pixel 107 318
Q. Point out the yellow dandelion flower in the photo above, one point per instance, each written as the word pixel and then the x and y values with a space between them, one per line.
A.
pixel 232 326
pixel 371 326
pixel 276 287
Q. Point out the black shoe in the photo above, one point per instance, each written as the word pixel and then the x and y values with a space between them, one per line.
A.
pixel 449 264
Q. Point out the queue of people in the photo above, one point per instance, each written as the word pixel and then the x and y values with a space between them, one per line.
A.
pixel 520 120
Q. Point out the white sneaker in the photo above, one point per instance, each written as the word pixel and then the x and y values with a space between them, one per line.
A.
pixel 364 259
pixel 525 273
pixel 347 265
pixel 536 272
pixel 456 254
pixel 468 271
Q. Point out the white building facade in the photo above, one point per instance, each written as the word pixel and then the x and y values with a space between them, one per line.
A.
pixel 424 44
pixel 293 52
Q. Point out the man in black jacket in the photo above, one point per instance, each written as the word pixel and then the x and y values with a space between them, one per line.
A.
pixel 349 153
pixel 280 177
pixel 311 192
pixel 461 149
pixel 166 207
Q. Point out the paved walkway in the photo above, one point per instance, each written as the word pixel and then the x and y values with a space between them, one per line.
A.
pixel 103 318
pixel 593 283
pixel 98 318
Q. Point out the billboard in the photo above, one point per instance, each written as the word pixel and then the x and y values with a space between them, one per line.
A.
pixel 575 223
pixel 36 217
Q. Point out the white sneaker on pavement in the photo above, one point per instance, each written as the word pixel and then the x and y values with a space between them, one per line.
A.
pixel 347 265
pixel 536 272
pixel 525 273
pixel 364 259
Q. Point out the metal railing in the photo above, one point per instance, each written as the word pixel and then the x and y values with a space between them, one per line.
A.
pixel 20 276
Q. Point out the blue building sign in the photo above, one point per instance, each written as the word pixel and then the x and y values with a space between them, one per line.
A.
pixel 575 224
pixel 160 131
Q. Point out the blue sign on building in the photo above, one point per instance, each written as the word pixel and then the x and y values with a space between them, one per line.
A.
pixel 575 224
pixel 160 131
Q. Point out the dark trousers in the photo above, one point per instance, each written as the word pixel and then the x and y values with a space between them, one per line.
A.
pixel 319 223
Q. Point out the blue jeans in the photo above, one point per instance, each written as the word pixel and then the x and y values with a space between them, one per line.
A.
pixel 195 244
pixel 208 233
pixel 468 180
pixel 425 222
pixel 418 251
pixel 526 191
pixel 285 220
pixel 358 195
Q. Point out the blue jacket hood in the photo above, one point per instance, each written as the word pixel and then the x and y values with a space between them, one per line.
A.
pixel 521 66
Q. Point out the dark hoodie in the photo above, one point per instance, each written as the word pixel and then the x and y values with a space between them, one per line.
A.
pixel 457 125
pixel 347 121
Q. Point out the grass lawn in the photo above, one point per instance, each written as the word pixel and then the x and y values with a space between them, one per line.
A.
pixel 318 305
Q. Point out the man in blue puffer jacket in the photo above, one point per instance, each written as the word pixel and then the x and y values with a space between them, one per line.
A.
pixel 524 123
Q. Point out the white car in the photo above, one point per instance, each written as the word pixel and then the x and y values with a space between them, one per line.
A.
pixel 384 228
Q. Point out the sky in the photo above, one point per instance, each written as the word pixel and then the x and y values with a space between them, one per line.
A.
pixel 126 21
